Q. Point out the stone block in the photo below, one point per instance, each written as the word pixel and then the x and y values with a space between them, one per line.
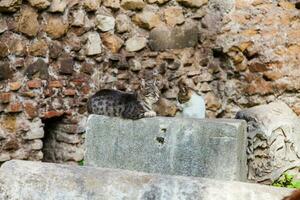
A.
pixel 36 180
pixel 162 38
pixel 273 134
pixel 175 146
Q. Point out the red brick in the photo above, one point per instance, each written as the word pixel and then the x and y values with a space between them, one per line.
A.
pixel 14 86
pixel 48 92
pixel 34 84
pixel 69 92
pixel 14 107
pixel 28 94
pixel 78 81
pixel 5 97
pixel 257 67
pixel 259 86
pixel 53 113
pixel 55 84
pixel 30 110
pixel 85 89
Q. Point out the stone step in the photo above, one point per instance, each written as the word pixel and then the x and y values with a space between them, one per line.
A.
pixel 174 146
pixel 27 180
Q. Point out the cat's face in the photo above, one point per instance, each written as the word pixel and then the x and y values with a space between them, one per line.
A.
pixel 150 91
pixel 184 93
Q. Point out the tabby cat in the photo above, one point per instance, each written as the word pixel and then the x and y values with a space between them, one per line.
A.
pixel 126 105
pixel 190 103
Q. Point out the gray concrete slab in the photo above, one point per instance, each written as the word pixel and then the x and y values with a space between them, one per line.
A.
pixel 175 146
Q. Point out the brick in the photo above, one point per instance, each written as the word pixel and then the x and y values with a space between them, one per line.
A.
pixel 29 94
pixel 66 66
pixel 5 97
pixel 55 84
pixel 14 107
pixel 34 84
pixel 69 92
pixel 52 113
pixel 85 89
pixel 14 86
pixel 30 110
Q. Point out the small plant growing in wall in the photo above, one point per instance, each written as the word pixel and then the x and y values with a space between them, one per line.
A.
pixel 287 180
pixel 81 163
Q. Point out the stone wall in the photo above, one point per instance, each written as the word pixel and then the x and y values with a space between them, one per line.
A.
pixel 54 54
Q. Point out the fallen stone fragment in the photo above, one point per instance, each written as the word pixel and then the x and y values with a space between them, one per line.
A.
pixel 48 181
pixel 273 141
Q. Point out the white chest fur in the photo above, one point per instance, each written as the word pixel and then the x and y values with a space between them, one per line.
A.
pixel 194 108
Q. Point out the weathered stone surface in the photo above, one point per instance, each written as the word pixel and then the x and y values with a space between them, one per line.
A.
pixel 174 15
pixel 38 48
pixel 158 1
pixel 58 6
pixel 114 4
pixel 273 141
pixel 3 25
pixel 66 66
pixel 147 19
pixel 6 72
pixel 28 23
pixel 38 68
pixel 135 65
pixel 193 3
pixel 105 23
pixel 206 148
pixel 91 5
pixel 112 42
pixel 133 4
pixel 93 44
pixel 4 51
pixel 162 38
pixel 4 156
pixel 39 4
pixel 37 180
pixel 55 49
pixel 123 23
pixel 34 130
pixel 135 43
pixel 79 18
pixel 10 5
pixel 56 27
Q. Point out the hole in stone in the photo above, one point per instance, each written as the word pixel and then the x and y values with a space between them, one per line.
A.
pixel 163 130
pixel 49 140
pixel 160 140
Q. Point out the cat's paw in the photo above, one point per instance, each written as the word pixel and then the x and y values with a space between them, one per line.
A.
pixel 150 114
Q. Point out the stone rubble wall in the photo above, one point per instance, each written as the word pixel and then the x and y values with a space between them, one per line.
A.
pixel 54 54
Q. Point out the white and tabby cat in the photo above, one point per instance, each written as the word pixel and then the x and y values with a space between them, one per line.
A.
pixel 190 104
pixel 126 105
